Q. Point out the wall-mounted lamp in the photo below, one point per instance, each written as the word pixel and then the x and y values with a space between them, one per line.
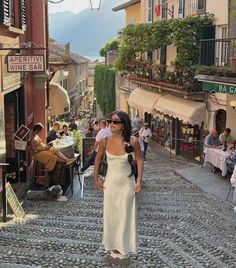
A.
pixel 95 4
pixel 233 104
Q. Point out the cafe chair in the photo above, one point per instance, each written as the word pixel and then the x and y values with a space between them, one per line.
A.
pixel 77 166
pixel 66 169
pixel 230 188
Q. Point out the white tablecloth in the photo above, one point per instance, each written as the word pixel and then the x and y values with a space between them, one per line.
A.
pixel 233 182
pixel 63 143
pixel 217 157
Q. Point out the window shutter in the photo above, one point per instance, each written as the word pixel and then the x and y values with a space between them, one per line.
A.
pixel 22 15
pixel 5 12
pixel 201 7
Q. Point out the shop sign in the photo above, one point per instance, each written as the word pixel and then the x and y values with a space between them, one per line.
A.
pixel 14 202
pixel 221 88
pixel 23 63
pixel 22 132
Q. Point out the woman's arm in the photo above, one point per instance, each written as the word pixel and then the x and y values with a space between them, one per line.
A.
pixel 98 159
pixel 139 159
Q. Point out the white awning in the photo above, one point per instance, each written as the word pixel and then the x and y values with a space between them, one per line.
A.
pixel 188 111
pixel 58 100
pixel 143 100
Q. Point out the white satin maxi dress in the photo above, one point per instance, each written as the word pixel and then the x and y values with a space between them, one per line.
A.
pixel 119 212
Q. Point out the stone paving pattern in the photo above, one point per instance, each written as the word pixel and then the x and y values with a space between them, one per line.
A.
pixel 179 226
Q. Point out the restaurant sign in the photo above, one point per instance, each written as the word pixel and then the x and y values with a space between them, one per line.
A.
pixel 23 63
pixel 222 88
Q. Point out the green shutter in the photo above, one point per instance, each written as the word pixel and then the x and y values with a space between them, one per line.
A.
pixel 5 13
pixel 22 15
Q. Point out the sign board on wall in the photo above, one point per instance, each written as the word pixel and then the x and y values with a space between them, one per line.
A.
pixel 22 132
pixel 23 63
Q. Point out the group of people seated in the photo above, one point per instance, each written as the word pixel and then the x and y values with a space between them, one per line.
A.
pixel 46 153
pixel 225 141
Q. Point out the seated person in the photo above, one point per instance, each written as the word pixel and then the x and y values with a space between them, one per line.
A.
pixel 231 161
pixel 72 126
pixel 64 131
pixel 46 155
pixel 226 137
pixel 212 139
pixel 53 133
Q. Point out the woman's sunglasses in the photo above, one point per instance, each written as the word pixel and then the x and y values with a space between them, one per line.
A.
pixel 115 122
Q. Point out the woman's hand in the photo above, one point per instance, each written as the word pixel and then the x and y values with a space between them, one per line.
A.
pixel 137 187
pixel 99 186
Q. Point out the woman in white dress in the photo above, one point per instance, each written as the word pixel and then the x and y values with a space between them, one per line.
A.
pixel 119 212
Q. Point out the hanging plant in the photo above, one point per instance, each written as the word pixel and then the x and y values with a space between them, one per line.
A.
pixel 104 87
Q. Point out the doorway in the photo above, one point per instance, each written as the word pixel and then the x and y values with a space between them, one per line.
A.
pixel 220 121
pixel 14 118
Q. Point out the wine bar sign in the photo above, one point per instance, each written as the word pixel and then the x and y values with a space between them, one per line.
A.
pixel 23 63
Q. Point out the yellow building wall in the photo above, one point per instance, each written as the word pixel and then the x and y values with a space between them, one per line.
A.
pixel 133 14
pixel 123 103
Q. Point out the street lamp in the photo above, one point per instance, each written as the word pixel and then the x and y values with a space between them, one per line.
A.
pixel 95 4
pixel 55 1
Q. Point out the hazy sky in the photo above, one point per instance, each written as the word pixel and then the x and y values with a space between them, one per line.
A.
pixel 74 6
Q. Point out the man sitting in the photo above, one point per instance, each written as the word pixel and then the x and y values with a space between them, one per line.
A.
pixel 212 140
pixel 226 137
pixel 53 133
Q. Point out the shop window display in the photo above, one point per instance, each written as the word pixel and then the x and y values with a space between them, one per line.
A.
pixel 190 141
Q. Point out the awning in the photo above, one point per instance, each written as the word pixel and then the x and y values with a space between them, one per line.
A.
pixel 58 100
pixel 188 111
pixel 143 99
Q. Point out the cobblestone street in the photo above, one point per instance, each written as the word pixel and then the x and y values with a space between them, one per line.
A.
pixel 179 226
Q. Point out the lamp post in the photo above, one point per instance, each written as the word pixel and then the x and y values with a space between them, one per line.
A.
pixel 95 4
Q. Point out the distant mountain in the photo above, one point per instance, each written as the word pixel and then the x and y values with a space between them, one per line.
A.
pixel 88 30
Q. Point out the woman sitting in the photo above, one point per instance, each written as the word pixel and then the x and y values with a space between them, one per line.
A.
pixel 46 155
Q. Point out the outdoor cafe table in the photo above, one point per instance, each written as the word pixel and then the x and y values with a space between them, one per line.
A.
pixel 66 146
pixel 217 157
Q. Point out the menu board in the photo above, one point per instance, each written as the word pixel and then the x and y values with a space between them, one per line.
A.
pixel 14 202
pixel 88 144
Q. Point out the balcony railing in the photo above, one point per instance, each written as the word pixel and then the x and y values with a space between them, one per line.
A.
pixel 218 52
pixel 179 80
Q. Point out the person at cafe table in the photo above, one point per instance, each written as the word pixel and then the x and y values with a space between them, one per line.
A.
pixel 212 140
pixel 226 137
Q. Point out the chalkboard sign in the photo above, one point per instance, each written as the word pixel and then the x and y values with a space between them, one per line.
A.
pixel 88 144
pixel 14 202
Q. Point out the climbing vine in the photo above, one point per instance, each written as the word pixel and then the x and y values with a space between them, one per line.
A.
pixel 104 87
pixel 184 34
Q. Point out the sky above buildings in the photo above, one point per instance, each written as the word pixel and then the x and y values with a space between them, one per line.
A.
pixel 74 6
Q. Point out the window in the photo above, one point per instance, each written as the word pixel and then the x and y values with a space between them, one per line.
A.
pixel 9 15
pixel 163 9
pixel 201 6
pixel 181 8
pixel 150 10
pixel 133 20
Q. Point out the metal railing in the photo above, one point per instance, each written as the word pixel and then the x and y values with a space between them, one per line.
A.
pixel 218 52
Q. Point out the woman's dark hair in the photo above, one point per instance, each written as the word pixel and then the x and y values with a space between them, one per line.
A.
pixel 127 133
pixel 38 127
